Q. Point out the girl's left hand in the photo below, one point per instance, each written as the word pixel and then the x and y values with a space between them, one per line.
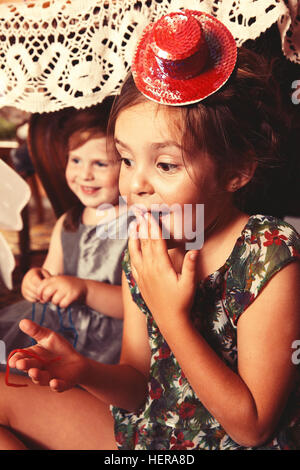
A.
pixel 168 294
pixel 62 290
pixel 52 361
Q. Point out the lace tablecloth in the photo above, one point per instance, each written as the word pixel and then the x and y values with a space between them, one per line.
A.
pixel 59 53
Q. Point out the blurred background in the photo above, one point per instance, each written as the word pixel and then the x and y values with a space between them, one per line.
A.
pixel 30 245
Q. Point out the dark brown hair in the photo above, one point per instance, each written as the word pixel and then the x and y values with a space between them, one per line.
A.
pixel 237 126
pixel 77 127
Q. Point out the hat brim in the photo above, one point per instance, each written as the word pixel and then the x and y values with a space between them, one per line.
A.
pixel 159 87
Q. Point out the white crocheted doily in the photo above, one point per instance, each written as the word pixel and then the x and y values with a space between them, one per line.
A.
pixel 59 53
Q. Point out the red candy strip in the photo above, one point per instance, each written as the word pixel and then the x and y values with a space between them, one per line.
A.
pixel 30 353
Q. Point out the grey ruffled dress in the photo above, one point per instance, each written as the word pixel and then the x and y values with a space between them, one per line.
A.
pixel 91 252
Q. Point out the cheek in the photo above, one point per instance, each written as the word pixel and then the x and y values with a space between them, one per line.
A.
pixel 109 181
pixel 123 184
pixel 68 175
pixel 178 193
pixel 114 178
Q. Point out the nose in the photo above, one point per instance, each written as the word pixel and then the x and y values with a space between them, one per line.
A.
pixel 86 172
pixel 141 184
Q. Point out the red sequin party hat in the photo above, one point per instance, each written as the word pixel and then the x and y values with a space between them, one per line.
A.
pixel 183 57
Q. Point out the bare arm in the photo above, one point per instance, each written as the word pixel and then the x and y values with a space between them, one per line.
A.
pixel 127 386
pixel 248 404
pixel 54 259
pixel 31 283
pixel 105 298
pixel 123 385
pixel 62 290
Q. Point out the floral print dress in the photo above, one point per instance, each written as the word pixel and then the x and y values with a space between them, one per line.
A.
pixel 172 417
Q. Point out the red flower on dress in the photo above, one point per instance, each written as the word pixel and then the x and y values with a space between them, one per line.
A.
pixel 120 438
pixel 178 443
pixel 155 394
pixel 155 391
pixel 187 410
pixel 163 352
pixel 182 378
pixel 274 237
pixel 132 280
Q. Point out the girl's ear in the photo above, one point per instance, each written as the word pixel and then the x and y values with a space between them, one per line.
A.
pixel 242 178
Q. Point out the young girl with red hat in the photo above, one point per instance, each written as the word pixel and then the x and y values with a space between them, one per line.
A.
pixel 209 356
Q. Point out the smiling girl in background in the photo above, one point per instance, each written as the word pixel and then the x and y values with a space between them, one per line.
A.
pixel 206 358
pixel 81 274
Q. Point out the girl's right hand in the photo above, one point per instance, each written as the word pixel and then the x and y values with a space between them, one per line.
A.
pixel 62 290
pixel 60 366
pixel 31 282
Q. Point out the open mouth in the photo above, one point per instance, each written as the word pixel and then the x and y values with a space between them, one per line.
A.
pixel 162 211
pixel 161 215
pixel 89 190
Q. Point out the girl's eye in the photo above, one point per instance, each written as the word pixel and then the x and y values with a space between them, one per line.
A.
pixel 167 167
pixel 100 164
pixel 126 162
pixel 75 160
